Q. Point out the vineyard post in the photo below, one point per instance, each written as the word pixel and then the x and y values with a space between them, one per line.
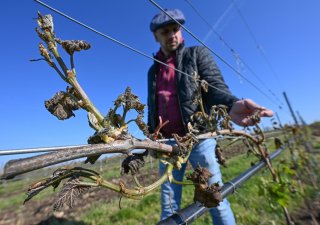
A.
pixel 290 108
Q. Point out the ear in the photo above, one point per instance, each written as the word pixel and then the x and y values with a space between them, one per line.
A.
pixel 155 36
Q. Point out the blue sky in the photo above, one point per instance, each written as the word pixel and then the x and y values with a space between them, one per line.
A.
pixel 287 32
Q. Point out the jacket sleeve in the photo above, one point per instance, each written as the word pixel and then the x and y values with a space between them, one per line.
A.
pixel 218 92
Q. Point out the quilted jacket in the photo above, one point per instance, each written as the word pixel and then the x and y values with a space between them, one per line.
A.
pixel 189 60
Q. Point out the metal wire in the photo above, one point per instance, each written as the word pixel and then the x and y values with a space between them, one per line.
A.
pixel 206 46
pixel 38 150
pixel 121 43
pixel 255 40
pixel 233 51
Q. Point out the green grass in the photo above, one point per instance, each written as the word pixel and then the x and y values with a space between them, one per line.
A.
pixel 248 206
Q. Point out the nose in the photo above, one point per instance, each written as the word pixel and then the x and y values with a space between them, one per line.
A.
pixel 172 34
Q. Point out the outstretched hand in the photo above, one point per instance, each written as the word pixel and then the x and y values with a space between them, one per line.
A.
pixel 243 109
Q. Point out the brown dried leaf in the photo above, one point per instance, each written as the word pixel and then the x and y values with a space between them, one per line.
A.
pixel 209 196
pixel 62 105
pixel 73 45
pixel 184 143
pixel 38 186
pixel 130 101
pixel 133 163
pixel 200 176
pixel 219 156
pixel 142 125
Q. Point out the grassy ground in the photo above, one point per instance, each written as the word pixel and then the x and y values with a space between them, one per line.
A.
pixel 248 206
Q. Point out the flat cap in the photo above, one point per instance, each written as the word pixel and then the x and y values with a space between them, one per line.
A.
pixel 162 19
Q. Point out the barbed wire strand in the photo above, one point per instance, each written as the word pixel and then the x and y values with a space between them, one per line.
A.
pixel 217 55
pixel 232 50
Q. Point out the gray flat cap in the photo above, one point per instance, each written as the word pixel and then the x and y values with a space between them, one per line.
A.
pixel 162 19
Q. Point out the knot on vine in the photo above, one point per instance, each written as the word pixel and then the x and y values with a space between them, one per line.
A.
pixel 62 105
pixel 73 45
pixel 133 163
pixel 208 195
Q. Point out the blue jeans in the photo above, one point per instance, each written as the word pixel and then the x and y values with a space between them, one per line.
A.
pixel 203 154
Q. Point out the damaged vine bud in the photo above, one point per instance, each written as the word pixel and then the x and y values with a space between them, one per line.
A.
pixel 142 125
pixel 209 196
pixel 45 22
pixel 62 105
pixel 219 156
pixel 277 143
pixel 133 163
pixel 200 176
pixel 184 143
pixel 205 86
pixel 44 52
pixel 73 45
pixel 129 101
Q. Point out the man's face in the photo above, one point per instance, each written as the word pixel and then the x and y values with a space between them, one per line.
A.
pixel 169 37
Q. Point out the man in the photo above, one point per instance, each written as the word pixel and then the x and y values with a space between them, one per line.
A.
pixel 171 95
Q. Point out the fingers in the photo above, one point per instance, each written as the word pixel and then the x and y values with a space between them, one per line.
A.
pixel 264 112
pixel 251 105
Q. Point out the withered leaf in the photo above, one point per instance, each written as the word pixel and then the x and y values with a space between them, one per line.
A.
pixel 133 163
pixel 130 101
pixel 71 190
pixel 34 190
pixel 209 196
pixel 184 143
pixel 200 176
pixel 219 156
pixel 38 186
pixel 62 105
pixel 277 142
pixel 73 45
pixel 142 125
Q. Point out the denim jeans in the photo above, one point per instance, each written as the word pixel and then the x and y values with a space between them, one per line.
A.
pixel 203 154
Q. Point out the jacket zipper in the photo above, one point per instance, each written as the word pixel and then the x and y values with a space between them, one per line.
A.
pixel 178 92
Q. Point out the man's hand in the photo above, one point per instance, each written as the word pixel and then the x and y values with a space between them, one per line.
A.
pixel 242 110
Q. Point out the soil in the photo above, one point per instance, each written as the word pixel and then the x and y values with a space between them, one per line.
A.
pixel 41 212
